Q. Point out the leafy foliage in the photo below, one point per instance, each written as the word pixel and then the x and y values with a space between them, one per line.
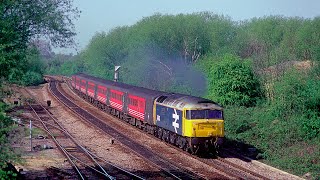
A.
pixel 21 23
pixel 24 20
pixel 232 82
pixel 7 153
pixel 32 70
pixel 298 94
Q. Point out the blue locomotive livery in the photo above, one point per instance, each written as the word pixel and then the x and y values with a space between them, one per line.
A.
pixel 169 118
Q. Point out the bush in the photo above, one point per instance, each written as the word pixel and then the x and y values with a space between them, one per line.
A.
pixel 297 94
pixel 232 82
pixel 7 152
pixel 32 78
pixel 288 98
pixel 311 124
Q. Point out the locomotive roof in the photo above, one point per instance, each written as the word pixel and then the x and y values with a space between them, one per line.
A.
pixel 186 101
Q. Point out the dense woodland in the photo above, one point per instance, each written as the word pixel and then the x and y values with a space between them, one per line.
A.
pixel 264 71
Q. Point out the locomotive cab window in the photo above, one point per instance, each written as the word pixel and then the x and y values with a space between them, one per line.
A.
pixel 204 114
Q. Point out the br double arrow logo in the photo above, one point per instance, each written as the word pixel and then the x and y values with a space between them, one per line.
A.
pixel 176 117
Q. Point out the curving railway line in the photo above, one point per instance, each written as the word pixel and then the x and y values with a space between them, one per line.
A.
pixel 168 161
pixel 85 164
pixel 172 168
pixel 169 170
pixel 221 164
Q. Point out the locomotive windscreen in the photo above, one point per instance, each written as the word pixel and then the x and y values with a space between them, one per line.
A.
pixel 204 114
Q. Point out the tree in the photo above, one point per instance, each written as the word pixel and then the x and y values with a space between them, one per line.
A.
pixel 309 39
pixel 232 82
pixel 105 51
pixel 24 20
pixel 21 22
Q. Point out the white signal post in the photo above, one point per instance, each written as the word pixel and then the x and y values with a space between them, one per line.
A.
pixel 116 73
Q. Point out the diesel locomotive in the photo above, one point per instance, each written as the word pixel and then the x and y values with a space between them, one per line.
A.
pixel 192 123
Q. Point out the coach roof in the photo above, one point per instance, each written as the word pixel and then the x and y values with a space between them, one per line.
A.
pixel 131 89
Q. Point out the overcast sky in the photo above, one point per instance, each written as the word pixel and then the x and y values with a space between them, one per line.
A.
pixel 104 15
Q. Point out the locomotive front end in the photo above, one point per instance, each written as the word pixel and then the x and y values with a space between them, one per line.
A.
pixel 205 128
pixel 204 123
pixel 192 123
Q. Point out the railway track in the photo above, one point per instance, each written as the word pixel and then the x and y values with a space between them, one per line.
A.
pixel 220 163
pixel 86 164
pixel 169 169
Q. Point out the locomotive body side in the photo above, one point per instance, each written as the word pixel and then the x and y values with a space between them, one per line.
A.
pixel 169 118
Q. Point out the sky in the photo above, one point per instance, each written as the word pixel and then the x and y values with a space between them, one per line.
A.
pixel 104 15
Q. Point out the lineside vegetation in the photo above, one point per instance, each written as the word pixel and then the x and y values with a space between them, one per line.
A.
pixel 265 71
pixel 24 25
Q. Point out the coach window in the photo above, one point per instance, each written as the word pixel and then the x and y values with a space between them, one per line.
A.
pixel 141 104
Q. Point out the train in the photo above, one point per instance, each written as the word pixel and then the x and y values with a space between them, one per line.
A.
pixel 191 123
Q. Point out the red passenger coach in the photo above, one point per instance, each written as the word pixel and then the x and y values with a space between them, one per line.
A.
pixel 73 84
pixel 136 106
pixel 91 88
pixel 77 83
pixel 83 86
pixel 116 99
pixel 102 94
